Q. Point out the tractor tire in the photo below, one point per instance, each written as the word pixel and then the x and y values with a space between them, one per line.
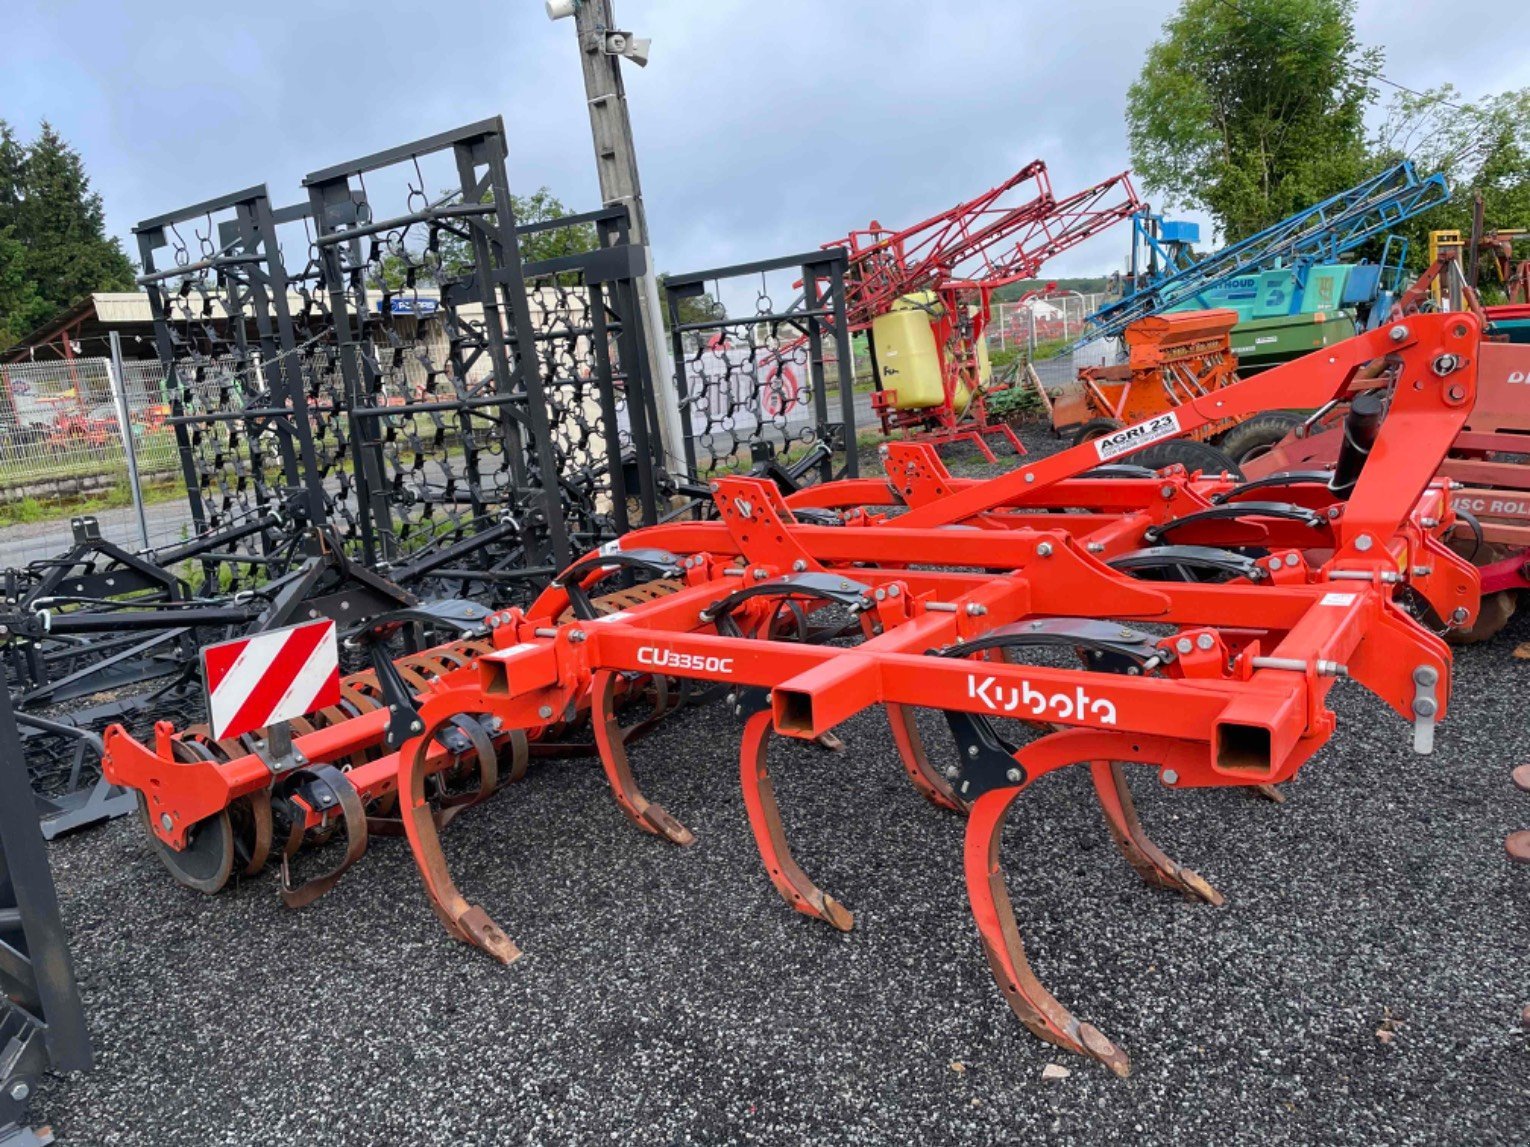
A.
pixel 1186 452
pixel 1497 608
pixel 1095 428
pixel 1248 440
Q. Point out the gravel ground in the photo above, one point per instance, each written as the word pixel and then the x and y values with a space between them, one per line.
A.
pixel 667 995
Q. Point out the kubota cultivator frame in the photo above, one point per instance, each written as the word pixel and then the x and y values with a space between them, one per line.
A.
pixel 925 591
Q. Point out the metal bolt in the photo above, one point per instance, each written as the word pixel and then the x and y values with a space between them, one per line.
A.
pixel 745 507
pixel 1029 477
pixel 1363 542
pixel 1425 707
pixel 1096 547
pixel 1166 491
pixel 576 636
pixel 952 772
pixel 759 575
pixel 545 712
pixel 1429 523
pixel 893 591
pixel 1459 616
pixel 880 594
pixel 1398 333
pixel 972 750
pixel 976 610
pixel 1457 393
pixel 165 822
pixel 1422 571
pixel 1044 550
pixel 1014 776
pixel 1446 364
pixel 732 698
pixel 1426 675
pixel 415 727
pixel 20 1090
pixel 1204 641
pixel 1170 777
pixel 1183 645
pixel 800 564
pixel 1333 512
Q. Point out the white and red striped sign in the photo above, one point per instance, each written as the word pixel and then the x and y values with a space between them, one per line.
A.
pixel 256 681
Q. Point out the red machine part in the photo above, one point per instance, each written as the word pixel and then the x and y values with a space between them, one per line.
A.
pixel 1493 493
pixel 949 585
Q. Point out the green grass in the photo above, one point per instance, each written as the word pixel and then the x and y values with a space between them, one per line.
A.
pixel 114 497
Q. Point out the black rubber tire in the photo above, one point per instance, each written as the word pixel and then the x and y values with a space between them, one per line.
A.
pixel 1186 452
pixel 1094 428
pixel 1247 440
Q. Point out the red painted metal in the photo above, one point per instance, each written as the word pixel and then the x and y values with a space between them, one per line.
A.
pixel 1229 688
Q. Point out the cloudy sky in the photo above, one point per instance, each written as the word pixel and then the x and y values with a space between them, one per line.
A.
pixel 764 127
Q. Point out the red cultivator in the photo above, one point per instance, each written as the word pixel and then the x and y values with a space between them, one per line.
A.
pixel 1067 613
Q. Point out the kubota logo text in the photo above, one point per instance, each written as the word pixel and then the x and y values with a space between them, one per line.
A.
pixel 1054 706
pixel 674 659
pixel 1518 376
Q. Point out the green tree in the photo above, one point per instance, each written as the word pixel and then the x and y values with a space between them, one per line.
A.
pixel 1252 109
pixel 453 256
pixel 21 308
pixel 701 309
pixel 60 222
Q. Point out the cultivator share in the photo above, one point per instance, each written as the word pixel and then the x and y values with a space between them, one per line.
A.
pixel 1068 613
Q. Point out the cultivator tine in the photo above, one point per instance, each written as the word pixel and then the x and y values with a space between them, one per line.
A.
pixel 611 739
pixel 1036 1007
pixel 765 820
pixel 1150 861
pixel 467 922
pixel 932 785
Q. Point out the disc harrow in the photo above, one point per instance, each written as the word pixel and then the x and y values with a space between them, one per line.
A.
pixel 1078 611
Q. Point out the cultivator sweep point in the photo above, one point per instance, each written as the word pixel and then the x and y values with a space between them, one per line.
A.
pixel 1077 611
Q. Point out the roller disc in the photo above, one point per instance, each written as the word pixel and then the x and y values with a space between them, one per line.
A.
pixel 208 858
pixel 1497 608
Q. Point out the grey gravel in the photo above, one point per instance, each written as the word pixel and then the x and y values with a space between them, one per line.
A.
pixel 668 995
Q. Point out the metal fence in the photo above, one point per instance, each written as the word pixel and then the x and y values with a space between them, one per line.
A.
pixel 1033 323
pixel 66 429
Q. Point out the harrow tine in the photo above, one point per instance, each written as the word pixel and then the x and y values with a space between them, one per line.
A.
pixel 352 817
pixel 916 762
pixel 1036 1007
pixel 611 741
pixel 765 820
pixel 1150 861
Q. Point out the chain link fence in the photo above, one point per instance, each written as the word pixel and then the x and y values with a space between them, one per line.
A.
pixel 65 431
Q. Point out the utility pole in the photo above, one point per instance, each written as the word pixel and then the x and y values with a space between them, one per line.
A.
pixel 600 51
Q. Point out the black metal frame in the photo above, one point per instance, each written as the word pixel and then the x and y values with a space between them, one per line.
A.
pixel 221 435
pixel 817 317
pixel 42 1022
pixel 503 416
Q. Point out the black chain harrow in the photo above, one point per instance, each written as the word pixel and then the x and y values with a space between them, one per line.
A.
pixel 757 387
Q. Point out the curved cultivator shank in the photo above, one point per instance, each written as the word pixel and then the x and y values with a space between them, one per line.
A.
pixel 1075 612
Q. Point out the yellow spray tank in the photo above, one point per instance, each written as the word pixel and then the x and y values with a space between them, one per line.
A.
pixel 908 359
